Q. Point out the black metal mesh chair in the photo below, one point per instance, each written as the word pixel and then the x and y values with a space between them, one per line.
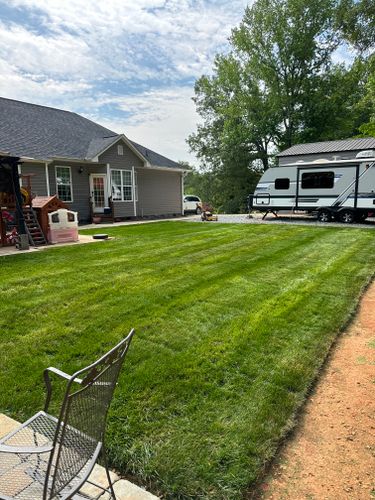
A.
pixel 52 458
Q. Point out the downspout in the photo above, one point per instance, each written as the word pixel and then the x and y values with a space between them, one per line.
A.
pixel 134 200
pixel 47 178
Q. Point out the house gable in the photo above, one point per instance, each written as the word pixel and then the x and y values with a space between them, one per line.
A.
pixel 128 159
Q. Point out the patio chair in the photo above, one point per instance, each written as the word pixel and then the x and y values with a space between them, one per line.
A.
pixel 52 458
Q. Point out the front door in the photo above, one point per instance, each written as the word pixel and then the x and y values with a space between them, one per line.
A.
pixel 98 190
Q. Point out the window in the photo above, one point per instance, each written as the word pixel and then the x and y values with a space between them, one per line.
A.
pixel 64 183
pixel 122 187
pixel 120 150
pixel 318 180
pixel 282 183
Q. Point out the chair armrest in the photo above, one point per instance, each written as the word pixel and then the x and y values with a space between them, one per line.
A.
pixel 60 373
pixel 24 449
pixel 47 381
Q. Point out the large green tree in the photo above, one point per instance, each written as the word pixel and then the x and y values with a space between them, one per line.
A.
pixel 287 45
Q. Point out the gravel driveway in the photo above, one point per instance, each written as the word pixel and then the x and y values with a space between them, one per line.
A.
pixel 283 218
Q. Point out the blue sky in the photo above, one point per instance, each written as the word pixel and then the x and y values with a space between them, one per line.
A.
pixel 127 64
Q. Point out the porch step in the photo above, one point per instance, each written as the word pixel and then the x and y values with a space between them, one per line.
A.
pixel 104 217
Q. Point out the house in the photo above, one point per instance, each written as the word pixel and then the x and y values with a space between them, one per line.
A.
pixel 345 149
pixel 94 170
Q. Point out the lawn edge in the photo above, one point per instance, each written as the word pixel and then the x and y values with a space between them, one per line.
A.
pixel 254 491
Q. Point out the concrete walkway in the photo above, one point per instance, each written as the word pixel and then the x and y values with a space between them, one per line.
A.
pixel 124 490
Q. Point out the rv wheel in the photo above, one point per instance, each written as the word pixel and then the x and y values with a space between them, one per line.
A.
pixel 324 215
pixel 347 216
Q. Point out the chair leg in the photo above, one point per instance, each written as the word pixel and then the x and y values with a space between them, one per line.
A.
pixel 104 454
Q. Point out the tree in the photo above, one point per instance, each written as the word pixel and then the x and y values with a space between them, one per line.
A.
pixel 356 21
pixel 287 44
pixel 367 129
pixel 336 110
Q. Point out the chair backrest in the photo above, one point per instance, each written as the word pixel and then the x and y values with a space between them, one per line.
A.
pixel 81 423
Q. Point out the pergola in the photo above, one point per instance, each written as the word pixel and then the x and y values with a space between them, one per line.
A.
pixel 11 198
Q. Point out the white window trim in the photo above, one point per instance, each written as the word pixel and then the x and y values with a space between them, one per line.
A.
pixel 120 150
pixel 122 185
pixel 71 182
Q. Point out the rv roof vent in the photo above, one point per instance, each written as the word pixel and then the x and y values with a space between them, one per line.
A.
pixel 367 153
pixel 321 160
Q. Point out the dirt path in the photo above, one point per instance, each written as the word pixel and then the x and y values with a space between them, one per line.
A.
pixel 332 453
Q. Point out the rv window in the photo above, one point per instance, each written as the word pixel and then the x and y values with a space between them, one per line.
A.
pixel 318 180
pixel 282 183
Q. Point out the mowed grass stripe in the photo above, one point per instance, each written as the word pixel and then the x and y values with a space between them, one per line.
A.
pixel 233 323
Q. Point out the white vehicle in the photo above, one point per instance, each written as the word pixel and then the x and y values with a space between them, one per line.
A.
pixel 341 190
pixel 192 204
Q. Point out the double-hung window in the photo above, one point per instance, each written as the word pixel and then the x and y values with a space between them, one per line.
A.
pixel 122 185
pixel 64 183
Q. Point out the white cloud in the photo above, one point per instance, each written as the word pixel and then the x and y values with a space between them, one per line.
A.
pixel 113 36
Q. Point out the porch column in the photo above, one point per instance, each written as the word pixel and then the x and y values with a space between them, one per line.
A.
pixel 134 200
pixel 47 178
pixel 182 193
pixel 108 186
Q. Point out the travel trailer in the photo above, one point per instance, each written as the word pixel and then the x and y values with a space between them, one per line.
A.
pixel 341 190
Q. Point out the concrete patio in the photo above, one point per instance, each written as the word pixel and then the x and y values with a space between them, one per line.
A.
pixel 124 490
pixel 82 239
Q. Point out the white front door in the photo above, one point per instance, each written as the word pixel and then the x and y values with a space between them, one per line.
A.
pixel 98 189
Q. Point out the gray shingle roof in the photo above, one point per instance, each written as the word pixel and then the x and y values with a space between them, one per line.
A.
pixel 330 147
pixel 40 132
pixel 155 158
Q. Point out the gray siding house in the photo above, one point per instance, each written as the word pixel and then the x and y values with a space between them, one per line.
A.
pixel 345 149
pixel 91 168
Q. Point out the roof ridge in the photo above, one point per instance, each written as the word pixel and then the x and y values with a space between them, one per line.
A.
pixel 61 111
pixel 331 140
pixel 37 105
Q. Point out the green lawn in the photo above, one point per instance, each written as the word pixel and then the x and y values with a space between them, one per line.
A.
pixel 232 324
